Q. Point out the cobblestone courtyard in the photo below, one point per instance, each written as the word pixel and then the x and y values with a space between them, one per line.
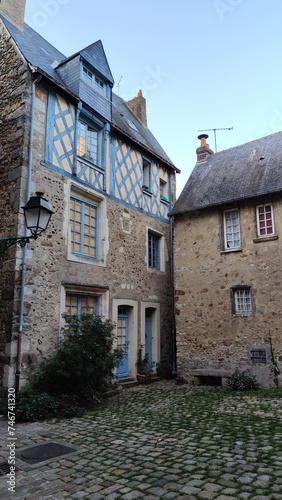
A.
pixel 159 441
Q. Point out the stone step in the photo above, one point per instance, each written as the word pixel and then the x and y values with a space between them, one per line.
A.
pixel 127 382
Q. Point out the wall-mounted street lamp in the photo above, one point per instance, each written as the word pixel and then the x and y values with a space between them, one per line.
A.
pixel 37 214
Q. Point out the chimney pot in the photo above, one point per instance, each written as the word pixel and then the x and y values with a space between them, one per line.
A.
pixel 203 138
pixel 204 151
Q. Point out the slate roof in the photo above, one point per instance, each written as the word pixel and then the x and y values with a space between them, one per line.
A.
pixel 126 122
pixel 45 58
pixel 248 171
pixel 36 50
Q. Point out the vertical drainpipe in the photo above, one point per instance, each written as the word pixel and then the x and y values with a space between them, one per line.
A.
pixel 173 333
pixel 19 350
pixel 105 134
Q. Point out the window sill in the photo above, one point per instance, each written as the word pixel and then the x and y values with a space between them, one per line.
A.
pixel 89 162
pixel 265 238
pixel 147 191
pixel 165 201
pixel 84 259
pixel 242 315
pixel 229 250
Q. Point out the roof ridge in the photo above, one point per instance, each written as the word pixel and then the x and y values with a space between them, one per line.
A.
pixel 246 143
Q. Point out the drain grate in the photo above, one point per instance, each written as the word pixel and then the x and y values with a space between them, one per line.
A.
pixel 45 451
pixel 5 468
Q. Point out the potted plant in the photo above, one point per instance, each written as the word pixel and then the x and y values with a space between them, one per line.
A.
pixel 144 368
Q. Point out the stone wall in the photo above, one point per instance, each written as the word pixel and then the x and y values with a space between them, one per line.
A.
pixel 15 82
pixel 209 336
pixel 50 271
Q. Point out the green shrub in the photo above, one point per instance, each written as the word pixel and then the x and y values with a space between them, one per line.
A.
pixel 83 364
pixel 242 381
pixel 164 369
pixel 32 406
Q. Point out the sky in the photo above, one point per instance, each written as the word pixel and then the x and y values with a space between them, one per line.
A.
pixel 201 64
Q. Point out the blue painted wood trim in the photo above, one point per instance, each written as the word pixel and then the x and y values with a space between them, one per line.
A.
pixel 112 166
pixel 110 196
pixel 50 126
pixel 77 113
pixel 106 131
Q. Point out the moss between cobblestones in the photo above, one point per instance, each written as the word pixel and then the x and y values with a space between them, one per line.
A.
pixel 178 442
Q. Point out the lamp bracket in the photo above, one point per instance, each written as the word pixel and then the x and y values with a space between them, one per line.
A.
pixel 9 242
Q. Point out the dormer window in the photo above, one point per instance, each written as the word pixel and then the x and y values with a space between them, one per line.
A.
pixel 99 85
pixel 94 81
pixel 87 76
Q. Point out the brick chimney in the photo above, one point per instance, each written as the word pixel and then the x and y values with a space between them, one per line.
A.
pixel 14 11
pixel 204 151
pixel 137 106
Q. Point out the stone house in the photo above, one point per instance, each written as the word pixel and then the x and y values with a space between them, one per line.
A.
pixel 227 258
pixel 111 186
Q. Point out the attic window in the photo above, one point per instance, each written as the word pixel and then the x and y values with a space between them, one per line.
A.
pixel 131 124
pixel 99 85
pixel 93 80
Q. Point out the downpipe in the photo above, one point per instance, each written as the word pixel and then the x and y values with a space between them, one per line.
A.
pixel 173 333
pixel 20 332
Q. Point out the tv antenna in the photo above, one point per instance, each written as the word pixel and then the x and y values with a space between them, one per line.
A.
pixel 118 84
pixel 214 131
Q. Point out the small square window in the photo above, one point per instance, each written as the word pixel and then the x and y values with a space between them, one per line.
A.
pixel 242 301
pixel 153 251
pixel 258 356
pixel 232 236
pixel 265 222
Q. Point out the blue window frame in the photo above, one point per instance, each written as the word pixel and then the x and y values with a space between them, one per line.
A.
pixel 87 75
pixel 122 339
pixel 99 85
pixel 146 175
pixel 94 81
pixel 84 227
pixel 88 142
pixel 78 304
pixel 153 251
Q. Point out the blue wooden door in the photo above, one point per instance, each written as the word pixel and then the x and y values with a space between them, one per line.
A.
pixel 122 339
pixel 148 334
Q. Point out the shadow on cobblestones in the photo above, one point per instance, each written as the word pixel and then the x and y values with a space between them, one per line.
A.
pixel 161 441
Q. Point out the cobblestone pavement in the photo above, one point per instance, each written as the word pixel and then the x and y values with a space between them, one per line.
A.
pixel 158 441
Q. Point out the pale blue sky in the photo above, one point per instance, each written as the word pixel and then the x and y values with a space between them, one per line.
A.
pixel 201 64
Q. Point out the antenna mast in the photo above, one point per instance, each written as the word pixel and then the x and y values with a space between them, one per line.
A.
pixel 214 131
pixel 118 84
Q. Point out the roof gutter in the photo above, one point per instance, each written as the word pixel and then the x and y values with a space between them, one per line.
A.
pixel 227 202
pixel 36 69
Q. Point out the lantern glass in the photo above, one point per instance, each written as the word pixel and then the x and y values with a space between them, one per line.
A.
pixel 37 214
